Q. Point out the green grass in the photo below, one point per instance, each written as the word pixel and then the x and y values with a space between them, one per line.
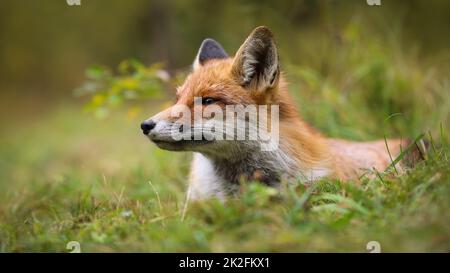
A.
pixel 65 176
pixel 71 178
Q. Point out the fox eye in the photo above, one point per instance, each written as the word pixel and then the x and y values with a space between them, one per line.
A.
pixel 208 101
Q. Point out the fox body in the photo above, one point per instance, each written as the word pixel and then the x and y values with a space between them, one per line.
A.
pixel 253 77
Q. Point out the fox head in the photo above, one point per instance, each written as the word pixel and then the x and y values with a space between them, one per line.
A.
pixel 250 78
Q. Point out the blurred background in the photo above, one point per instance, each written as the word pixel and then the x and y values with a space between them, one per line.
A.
pixel 47 45
pixel 76 81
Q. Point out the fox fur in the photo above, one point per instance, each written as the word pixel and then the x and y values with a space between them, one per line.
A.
pixel 253 76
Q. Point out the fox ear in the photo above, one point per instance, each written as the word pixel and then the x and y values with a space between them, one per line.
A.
pixel 209 49
pixel 256 64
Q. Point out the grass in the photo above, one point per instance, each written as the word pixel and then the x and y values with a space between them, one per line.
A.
pixel 67 177
pixel 110 190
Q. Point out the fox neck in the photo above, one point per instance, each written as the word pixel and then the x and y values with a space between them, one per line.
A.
pixel 292 160
pixel 302 143
pixel 246 161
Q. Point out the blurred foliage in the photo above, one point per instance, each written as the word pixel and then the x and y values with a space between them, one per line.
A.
pixel 133 81
pixel 375 83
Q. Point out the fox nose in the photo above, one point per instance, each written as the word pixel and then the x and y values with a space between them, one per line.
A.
pixel 147 126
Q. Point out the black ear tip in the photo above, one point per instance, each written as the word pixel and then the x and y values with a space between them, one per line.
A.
pixel 211 49
pixel 209 41
pixel 210 44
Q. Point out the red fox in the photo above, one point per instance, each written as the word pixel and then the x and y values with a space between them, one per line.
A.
pixel 253 77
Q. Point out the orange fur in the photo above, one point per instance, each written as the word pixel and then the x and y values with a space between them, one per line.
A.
pixel 346 159
pixel 224 79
